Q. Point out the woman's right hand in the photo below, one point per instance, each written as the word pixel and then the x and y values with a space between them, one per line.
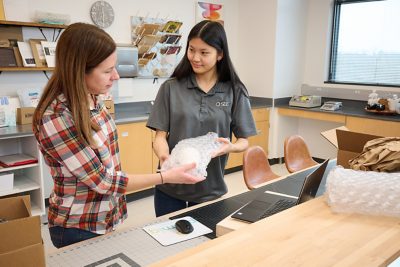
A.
pixel 179 175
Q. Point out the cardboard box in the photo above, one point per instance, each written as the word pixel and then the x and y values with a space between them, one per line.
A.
pixel 21 241
pixel 349 144
pixel 25 115
pixel 6 181
pixel 110 106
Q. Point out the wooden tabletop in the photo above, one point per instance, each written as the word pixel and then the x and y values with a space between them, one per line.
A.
pixel 309 234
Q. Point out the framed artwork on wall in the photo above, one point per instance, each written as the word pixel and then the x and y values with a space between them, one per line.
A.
pixel 209 11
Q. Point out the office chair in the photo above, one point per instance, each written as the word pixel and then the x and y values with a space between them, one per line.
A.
pixel 297 155
pixel 256 168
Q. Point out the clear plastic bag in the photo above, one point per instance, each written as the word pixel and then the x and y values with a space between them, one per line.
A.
pixel 198 149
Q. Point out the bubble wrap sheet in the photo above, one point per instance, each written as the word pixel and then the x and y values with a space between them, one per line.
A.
pixel 373 193
pixel 198 149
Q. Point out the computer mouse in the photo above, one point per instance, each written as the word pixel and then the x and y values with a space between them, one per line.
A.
pixel 184 226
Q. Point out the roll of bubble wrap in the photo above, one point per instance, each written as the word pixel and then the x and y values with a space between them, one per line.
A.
pixel 365 192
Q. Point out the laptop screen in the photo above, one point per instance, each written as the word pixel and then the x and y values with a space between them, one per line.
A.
pixel 311 183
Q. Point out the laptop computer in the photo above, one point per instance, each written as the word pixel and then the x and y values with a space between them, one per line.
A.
pixel 269 203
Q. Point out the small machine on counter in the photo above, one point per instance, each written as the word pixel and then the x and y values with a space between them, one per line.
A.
pixel 305 101
pixel 331 105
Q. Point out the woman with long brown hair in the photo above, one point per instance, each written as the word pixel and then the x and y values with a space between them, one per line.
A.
pixel 78 140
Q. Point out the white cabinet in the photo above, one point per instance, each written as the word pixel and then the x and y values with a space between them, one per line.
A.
pixel 28 179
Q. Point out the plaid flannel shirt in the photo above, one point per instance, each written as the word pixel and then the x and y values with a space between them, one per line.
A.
pixel 89 186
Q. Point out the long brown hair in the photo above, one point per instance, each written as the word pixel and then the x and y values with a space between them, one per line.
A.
pixel 79 50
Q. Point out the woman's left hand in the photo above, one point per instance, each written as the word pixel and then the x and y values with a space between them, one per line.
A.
pixel 225 148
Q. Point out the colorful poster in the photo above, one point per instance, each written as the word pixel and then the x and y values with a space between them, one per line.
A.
pixel 209 11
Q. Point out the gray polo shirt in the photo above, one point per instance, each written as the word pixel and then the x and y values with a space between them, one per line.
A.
pixel 184 111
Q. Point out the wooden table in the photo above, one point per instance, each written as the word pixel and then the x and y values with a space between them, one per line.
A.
pixel 307 235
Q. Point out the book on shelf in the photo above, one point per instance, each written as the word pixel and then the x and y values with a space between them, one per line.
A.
pixel 172 26
pixel 16 160
pixel 18 57
pixel 7 57
pixel 26 53
pixel 170 38
pixel 49 49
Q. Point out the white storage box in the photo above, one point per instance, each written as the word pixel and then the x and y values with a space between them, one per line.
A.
pixel 6 181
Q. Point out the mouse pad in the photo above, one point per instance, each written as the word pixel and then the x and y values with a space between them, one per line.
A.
pixel 166 234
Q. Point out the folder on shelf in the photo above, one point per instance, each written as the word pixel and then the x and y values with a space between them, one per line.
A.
pixel 16 160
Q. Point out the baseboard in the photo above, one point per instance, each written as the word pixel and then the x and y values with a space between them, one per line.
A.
pixel 234 169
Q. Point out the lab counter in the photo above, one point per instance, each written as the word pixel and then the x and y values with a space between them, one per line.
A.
pixel 140 111
pixel 352 108
pixel 309 234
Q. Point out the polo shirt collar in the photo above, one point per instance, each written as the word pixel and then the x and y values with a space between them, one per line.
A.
pixel 217 88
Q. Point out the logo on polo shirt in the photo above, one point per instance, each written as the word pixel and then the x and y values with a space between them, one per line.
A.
pixel 222 104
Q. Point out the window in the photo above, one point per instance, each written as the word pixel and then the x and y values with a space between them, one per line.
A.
pixel 366 43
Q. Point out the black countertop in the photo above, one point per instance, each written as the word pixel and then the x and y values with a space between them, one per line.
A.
pixel 139 111
pixel 350 108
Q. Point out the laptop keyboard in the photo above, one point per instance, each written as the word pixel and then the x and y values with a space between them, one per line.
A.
pixel 280 205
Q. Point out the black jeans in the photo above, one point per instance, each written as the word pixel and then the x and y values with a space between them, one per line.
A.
pixel 62 237
pixel 164 204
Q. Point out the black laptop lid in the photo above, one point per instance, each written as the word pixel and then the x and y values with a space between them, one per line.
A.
pixel 311 183
pixel 267 203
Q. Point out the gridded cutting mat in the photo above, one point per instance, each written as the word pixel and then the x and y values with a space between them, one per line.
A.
pixel 132 247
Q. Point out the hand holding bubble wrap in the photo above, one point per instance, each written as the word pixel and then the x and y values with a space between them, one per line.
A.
pixel 198 150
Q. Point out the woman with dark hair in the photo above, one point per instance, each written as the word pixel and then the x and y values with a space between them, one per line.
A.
pixel 78 140
pixel 203 95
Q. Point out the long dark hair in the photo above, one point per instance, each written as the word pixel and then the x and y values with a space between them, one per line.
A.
pixel 80 49
pixel 213 34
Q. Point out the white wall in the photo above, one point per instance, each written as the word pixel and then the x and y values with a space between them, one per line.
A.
pixel 133 89
pixel 290 46
pixel 256 45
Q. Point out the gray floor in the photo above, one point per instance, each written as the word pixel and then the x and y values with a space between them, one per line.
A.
pixel 142 211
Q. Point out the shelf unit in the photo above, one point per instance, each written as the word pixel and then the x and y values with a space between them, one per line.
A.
pixel 28 179
pixel 26 69
pixel 57 29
